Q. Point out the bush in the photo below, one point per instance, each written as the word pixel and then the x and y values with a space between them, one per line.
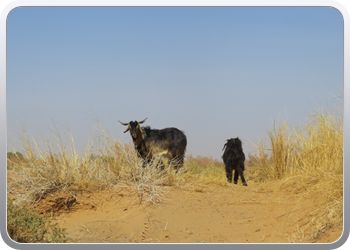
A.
pixel 26 225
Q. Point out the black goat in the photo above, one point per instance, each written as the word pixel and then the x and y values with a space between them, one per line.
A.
pixel 234 160
pixel 151 143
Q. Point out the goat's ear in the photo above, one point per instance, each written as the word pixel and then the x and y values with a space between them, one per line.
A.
pixel 127 129
pixel 224 146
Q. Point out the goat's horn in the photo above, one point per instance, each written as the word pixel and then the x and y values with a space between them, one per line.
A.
pixel 142 121
pixel 123 123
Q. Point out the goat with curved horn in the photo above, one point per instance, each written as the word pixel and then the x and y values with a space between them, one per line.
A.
pixel 150 143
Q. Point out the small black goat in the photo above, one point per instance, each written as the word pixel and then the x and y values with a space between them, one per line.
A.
pixel 151 143
pixel 234 160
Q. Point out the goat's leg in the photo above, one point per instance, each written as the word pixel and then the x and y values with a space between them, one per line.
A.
pixel 161 164
pixel 228 170
pixel 146 161
pixel 235 179
pixel 177 162
pixel 242 176
pixel 180 163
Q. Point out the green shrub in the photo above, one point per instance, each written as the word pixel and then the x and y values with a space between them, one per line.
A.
pixel 26 225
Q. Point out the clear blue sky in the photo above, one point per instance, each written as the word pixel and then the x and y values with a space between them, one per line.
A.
pixel 213 72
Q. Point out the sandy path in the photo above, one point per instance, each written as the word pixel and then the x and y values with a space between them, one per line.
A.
pixel 215 214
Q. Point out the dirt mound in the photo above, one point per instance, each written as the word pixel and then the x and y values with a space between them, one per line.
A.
pixel 57 202
pixel 212 214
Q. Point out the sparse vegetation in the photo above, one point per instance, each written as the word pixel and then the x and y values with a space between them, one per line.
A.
pixel 312 155
pixel 26 225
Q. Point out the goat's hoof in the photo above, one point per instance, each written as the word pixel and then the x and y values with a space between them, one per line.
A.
pixel 245 184
pixel 235 182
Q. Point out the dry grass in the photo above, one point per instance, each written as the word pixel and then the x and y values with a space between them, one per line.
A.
pixel 316 147
pixel 40 171
pixel 314 157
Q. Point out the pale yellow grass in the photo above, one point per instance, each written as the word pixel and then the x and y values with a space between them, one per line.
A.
pixel 312 159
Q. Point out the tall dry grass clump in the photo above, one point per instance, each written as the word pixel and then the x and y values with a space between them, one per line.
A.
pixel 316 148
pixel 41 170
pixel 312 159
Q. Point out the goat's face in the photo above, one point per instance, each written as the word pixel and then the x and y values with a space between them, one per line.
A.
pixel 134 127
